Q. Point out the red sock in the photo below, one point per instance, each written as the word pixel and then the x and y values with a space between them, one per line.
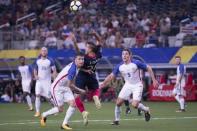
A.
pixel 79 104
pixel 96 92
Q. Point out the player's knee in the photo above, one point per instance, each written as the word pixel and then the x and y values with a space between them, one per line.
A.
pixel 72 104
pixel 119 102
pixel 135 104
pixel 61 109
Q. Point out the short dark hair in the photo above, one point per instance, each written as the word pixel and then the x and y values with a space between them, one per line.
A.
pixel 92 46
pixel 21 57
pixel 127 49
pixel 79 54
pixel 177 56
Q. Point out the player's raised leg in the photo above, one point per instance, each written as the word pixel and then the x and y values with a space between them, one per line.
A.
pixel 96 93
pixel 81 108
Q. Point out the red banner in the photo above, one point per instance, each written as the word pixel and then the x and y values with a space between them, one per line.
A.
pixel 164 93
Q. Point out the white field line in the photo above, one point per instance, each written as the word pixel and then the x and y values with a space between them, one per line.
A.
pixel 78 121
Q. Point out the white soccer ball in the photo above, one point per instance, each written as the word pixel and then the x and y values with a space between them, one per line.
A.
pixel 75 5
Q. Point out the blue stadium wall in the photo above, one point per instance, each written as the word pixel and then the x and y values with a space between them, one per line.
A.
pixel 150 55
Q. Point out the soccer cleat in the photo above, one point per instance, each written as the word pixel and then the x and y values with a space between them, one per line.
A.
pixel 139 112
pixel 65 127
pixel 97 102
pixel 43 121
pixel 147 115
pixel 37 114
pixel 30 109
pixel 128 111
pixel 115 123
pixel 181 110
pixel 85 117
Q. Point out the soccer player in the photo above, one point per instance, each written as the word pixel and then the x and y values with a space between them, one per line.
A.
pixel 87 76
pixel 26 74
pixel 129 69
pixel 42 74
pixel 178 91
pixel 61 90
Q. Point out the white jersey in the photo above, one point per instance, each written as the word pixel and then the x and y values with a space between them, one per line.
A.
pixel 130 72
pixel 25 72
pixel 67 73
pixel 181 70
pixel 44 67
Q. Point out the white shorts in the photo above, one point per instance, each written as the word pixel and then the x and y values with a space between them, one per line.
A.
pixel 179 90
pixel 128 89
pixel 61 94
pixel 26 86
pixel 43 88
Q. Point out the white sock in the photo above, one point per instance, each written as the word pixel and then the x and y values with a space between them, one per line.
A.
pixel 69 113
pixel 52 111
pixel 37 104
pixel 142 107
pixel 117 113
pixel 178 100
pixel 28 98
pixel 182 103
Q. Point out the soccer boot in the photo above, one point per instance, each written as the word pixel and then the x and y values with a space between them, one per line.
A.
pixel 43 121
pixel 128 111
pixel 181 110
pixel 97 102
pixel 85 117
pixel 65 127
pixel 37 114
pixel 147 115
pixel 115 123
pixel 30 109
pixel 139 112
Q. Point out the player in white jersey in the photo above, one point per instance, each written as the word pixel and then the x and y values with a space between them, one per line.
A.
pixel 130 71
pixel 178 91
pixel 26 75
pixel 61 90
pixel 42 73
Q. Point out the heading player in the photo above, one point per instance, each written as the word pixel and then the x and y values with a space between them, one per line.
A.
pixel 42 73
pixel 61 91
pixel 26 75
pixel 87 76
pixel 178 91
pixel 129 70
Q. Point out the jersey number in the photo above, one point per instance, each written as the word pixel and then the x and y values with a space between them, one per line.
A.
pixel 128 74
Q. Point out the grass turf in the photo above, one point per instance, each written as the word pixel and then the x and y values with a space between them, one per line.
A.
pixel 15 117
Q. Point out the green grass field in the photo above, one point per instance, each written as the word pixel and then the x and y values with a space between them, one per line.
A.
pixel 15 117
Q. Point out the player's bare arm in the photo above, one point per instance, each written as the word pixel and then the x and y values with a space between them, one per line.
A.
pixel 98 38
pixel 75 43
pixel 178 80
pixel 150 71
pixel 54 74
pixel 75 88
pixel 109 78
pixel 36 74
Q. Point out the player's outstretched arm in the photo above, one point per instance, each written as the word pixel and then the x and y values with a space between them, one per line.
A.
pixel 75 43
pixel 109 78
pixel 150 71
pixel 98 38
pixel 75 88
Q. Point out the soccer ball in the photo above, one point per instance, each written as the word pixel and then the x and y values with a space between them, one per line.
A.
pixel 75 5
